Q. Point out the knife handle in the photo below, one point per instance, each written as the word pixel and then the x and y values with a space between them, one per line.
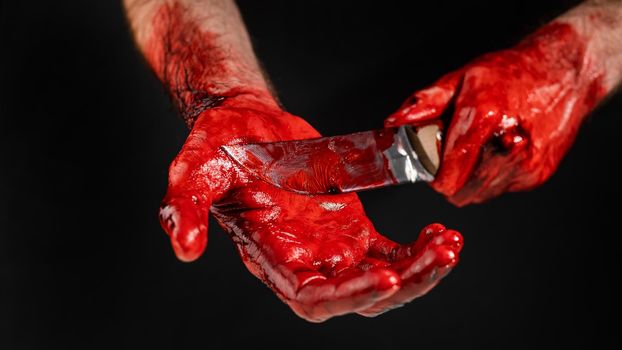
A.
pixel 426 142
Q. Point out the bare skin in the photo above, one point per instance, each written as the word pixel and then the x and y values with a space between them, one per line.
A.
pixel 229 45
pixel 601 22
pixel 320 254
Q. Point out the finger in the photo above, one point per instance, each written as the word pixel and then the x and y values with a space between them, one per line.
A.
pixel 470 130
pixel 428 234
pixel 499 167
pixel 495 174
pixel 199 175
pixel 421 266
pixel 350 292
pixel 385 249
pixel 440 251
pixel 427 104
pixel 186 224
pixel 408 292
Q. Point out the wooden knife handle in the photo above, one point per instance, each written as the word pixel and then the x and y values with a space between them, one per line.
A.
pixel 426 141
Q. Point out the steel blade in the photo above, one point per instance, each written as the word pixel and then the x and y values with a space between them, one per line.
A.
pixel 335 164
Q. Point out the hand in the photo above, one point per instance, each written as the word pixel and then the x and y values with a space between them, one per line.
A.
pixel 516 113
pixel 319 254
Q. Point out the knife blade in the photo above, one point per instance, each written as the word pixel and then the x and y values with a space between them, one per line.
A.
pixel 346 163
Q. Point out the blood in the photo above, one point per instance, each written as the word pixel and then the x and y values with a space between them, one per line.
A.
pixel 328 165
pixel 516 113
pixel 198 71
pixel 320 254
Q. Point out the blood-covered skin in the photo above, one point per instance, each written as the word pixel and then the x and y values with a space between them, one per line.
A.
pixel 200 68
pixel 320 254
pixel 516 113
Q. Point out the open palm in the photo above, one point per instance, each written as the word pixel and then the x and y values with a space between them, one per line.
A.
pixel 320 254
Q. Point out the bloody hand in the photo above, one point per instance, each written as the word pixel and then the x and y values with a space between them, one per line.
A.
pixel 320 254
pixel 515 113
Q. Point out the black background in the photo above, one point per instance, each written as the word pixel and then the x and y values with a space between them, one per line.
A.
pixel 86 134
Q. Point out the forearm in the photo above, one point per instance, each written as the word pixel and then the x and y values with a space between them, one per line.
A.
pixel 200 50
pixel 599 22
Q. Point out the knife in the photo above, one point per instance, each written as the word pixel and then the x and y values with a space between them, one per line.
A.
pixel 347 163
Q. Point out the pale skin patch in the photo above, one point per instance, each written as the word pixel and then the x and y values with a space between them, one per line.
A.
pixel 332 206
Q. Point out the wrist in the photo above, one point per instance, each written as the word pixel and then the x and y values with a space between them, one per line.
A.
pixel 200 51
pixel 193 103
pixel 599 23
pixel 201 68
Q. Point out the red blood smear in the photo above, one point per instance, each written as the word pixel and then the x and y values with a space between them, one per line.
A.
pixel 327 165
pixel 320 254
pixel 196 69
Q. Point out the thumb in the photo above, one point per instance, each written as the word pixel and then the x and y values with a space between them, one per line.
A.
pixel 185 221
pixel 199 176
pixel 427 104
